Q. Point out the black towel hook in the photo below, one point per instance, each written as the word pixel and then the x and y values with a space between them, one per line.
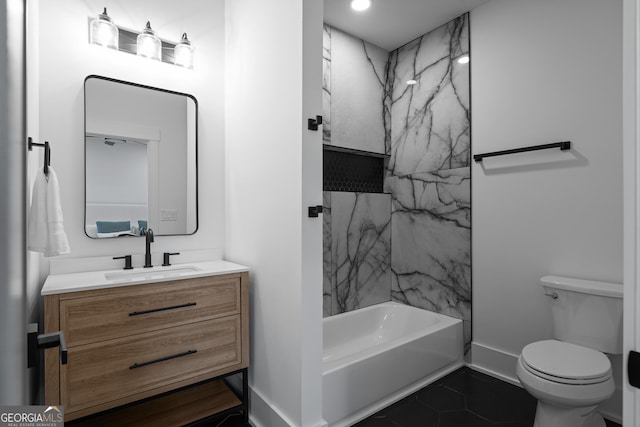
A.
pixel 47 153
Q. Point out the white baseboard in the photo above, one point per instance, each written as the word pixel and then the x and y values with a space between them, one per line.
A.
pixel 502 365
pixel 263 413
pixel 494 362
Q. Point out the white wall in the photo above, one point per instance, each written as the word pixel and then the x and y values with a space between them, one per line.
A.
pixel 311 277
pixel 542 71
pixel 33 161
pixel 273 172
pixel 66 59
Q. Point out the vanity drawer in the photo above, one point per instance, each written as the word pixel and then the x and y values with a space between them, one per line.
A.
pixel 117 369
pixel 92 317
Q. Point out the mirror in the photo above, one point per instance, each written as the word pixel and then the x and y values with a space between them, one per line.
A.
pixel 140 160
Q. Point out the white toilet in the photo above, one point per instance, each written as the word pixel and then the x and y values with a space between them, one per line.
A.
pixel 569 375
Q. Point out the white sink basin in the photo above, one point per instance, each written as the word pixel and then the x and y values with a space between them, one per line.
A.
pixel 153 273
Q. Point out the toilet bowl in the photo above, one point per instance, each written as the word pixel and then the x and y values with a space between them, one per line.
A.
pixel 569 381
pixel 570 375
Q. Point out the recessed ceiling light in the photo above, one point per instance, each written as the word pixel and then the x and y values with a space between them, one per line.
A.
pixel 463 59
pixel 360 5
pixel 412 82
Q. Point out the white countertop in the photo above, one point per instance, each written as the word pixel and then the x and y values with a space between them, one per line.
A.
pixel 88 280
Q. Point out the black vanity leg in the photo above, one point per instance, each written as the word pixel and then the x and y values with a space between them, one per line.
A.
pixel 245 394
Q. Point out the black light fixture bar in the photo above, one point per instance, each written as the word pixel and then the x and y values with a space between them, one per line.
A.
pixel 564 145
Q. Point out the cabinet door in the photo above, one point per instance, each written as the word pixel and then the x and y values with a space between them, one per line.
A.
pixel 111 370
pixel 139 309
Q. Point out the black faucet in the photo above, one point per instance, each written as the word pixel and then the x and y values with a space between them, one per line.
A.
pixel 166 256
pixel 127 261
pixel 147 256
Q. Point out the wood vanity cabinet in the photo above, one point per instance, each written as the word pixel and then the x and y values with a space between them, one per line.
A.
pixel 133 342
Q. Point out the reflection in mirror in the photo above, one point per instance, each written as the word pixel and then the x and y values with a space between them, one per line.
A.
pixel 140 160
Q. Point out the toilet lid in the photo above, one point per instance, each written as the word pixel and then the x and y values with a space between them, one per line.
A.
pixel 566 363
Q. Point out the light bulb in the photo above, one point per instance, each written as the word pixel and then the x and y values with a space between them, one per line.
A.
pixel 412 82
pixel 103 32
pixel 148 44
pixel 463 59
pixel 360 5
pixel 183 53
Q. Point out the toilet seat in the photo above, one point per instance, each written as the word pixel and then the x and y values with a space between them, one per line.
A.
pixel 565 363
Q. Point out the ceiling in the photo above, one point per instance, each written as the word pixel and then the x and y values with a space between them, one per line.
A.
pixel 393 23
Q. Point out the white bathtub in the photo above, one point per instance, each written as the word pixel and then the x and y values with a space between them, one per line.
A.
pixel 377 355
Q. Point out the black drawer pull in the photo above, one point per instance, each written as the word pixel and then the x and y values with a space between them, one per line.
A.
pixel 154 310
pixel 164 359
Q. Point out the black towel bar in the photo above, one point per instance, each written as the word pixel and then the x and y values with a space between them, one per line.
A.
pixel 564 145
pixel 47 153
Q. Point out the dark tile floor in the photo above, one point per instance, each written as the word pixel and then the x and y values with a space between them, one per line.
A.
pixel 464 398
pixel 233 420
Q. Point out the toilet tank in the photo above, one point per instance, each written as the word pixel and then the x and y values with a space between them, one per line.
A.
pixel 586 312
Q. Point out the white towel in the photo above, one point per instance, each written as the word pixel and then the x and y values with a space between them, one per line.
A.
pixel 45 231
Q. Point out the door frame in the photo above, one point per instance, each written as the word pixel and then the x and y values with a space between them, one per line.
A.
pixel 13 332
pixel 631 210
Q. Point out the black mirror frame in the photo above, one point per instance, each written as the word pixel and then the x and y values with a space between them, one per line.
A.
pixel 95 76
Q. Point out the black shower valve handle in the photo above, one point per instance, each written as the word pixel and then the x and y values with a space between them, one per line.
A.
pixel 314 211
pixel 312 124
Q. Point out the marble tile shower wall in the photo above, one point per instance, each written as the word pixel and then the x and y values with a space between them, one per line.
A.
pixel 356 93
pixel 358 255
pixel 356 226
pixel 430 128
pixel 428 175
pixel 413 243
pixel 326 85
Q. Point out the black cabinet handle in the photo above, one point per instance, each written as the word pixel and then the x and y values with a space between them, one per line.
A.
pixel 164 359
pixel 155 310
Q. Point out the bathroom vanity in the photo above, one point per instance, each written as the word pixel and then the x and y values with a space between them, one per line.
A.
pixel 160 341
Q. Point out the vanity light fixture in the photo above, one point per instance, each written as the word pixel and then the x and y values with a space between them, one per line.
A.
pixel 183 53
pixel 464 59
pixel 360 5
pixel 103 31
pixel 148 44
pixel 412 82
